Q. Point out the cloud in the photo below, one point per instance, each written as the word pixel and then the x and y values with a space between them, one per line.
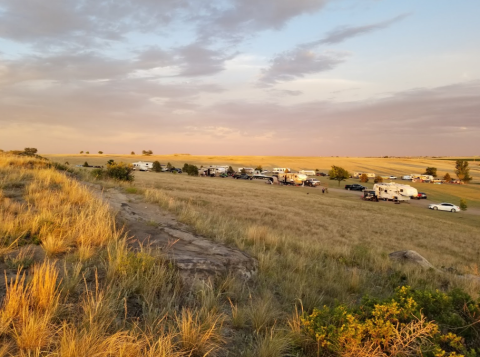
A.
pixel 343 33
pixel 298 62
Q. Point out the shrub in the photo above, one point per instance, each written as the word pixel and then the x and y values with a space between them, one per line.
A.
pixel 132 153
pixel 230 170
pixel 100 152
pixel 98 174
pixel 156 166
pixel 447 177
pixel 463 204
pixel 147 152
pixel 259 168
pixel 120 172
pixel 378 179
pixel 87 152
pixel 81 152
pixel 410 323
pixel 85 164
pixel 191 170
pixel 364 178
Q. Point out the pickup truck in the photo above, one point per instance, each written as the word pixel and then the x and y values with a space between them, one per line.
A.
pixel 355 187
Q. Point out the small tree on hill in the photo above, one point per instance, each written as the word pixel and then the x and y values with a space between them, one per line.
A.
pixel 81 152
pixel 463 204
pixel 87 152
pixel 30 151
pixel 364 178
pixel 156 167
pixel 100 152
pixel 132 153
pixel 463 171
pixel 338 173
pixel 147 152
pixel 431 171
pixel 447 177
pixel 378 179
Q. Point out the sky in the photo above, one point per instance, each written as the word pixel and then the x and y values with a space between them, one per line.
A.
pixel 241 77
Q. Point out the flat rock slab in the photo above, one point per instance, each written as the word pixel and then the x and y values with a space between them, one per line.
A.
pixel 195 256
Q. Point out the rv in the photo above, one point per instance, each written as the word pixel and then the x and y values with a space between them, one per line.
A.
pixel 142 165
pixel 394 191
pixel 214 170
pixel 307 172
pixel 294 178
pixel 277 170
pixel 359 174
pixel 248 170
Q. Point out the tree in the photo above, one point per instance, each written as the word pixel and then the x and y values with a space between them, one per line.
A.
pixel 67 163
pixel 147 152
pixel 81 152
pixel 338 173
pixel 169 166
pixel 463 171
pixel 378 179
pixel 431 171
pixel 132 153
pixel 447 177
pixel 364 178
pixel 156 167
pixel 87 152
pixel 243 172
pixel 110 162
pixel 191 170
pixel 230 170
pixel 100 152
pixel 463 204
pixel 120 172
pixel 30 151
pixel 85 164
pixel 259 168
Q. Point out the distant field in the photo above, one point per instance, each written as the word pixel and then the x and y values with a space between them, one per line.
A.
pixel 381 166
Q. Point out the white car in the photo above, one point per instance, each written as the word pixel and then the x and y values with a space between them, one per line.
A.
pixel 445 207
pixel 392 177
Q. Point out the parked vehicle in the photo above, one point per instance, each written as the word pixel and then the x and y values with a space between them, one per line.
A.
pixel 421 195
pixel 321 174
pixel 392 177
pixel 370 195
pixel 312 182
pixel 407 177
pixel 450 207
pixel 223 175
pixel 395 191
pixel 355 187
pixel 243 177
pixel 142 166
pixel 307 172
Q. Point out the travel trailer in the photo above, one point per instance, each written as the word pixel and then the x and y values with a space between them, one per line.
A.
pixel 214 170
pixel 358 174
pixel 248 170
pixel 277 170
pixel 307 172
pixel 142 165
pixel 394 191
pixel 294 178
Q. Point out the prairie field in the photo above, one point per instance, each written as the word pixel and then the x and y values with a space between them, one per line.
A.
pixel 104 298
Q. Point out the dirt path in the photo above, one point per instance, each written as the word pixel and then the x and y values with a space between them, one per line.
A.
pixel 195 256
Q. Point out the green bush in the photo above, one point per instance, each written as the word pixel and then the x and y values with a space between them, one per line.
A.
pixel 424 323
pixel 463 204
pixel 191 170
pixel 156 166
pixel 378 179
pixel 120 171
pixel 98 174
pixel 364 178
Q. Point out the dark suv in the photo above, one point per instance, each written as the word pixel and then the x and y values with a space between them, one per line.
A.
pixel 355 187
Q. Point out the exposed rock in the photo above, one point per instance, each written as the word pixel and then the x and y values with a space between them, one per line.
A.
pixel 196 257
pixel 411 256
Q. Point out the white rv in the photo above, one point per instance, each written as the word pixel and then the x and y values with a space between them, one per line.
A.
pixel 359 174
pixel 214 170
pixel 248 170
pixel 294 178
pixel 394 191
pixel 308 172
pixel 277 170
pixel 142 165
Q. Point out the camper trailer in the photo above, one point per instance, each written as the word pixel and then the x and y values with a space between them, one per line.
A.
pixel 394 191
pixel 294 178
pixel 359 174
pixel 214 170
pixel 307 172
pixel 142 166
pixel 277 170
pixel 248 170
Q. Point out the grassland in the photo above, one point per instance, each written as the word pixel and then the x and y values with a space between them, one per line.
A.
pixel 313 249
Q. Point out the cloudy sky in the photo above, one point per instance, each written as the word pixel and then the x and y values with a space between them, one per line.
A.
pixel 241 77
